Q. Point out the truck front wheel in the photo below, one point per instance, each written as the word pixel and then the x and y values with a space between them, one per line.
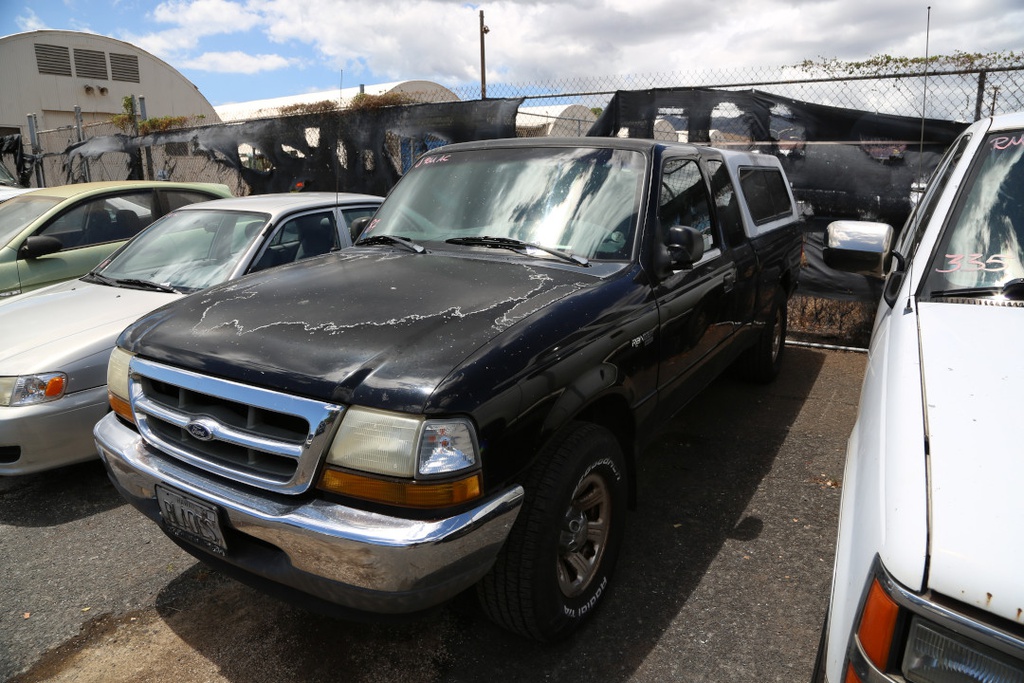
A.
pixel 557 562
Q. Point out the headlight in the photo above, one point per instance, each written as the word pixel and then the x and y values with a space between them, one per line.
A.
pixel 936 655
pixel 117 383
pixel 896 634
pixel 29 390
pixel 413 452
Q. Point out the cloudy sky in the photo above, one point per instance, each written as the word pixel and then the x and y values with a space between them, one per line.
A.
pixel 239 50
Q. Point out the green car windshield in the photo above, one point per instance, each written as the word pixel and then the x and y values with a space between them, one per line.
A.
pixel 6 178
pixel 983 243
pixel 578 201
pixel 187 250
pixel 18 212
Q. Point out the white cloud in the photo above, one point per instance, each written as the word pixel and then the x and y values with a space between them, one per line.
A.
pixel 236 62
pixel 30 21
pixel 207 17
pixel 539 41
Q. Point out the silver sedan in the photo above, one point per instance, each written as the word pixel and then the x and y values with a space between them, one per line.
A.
pixel 55 342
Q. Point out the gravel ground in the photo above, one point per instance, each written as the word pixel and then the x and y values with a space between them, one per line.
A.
pixel 724 574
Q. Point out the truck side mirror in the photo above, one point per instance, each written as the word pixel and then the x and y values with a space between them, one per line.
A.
pixel 685 245
pixel 860 247
pixel 39 245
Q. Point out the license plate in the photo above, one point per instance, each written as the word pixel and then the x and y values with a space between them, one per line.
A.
pixel 191 519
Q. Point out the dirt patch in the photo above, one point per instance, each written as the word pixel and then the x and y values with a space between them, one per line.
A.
pixel 830 321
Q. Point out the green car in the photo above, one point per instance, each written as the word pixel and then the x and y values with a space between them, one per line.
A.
pixel 58 233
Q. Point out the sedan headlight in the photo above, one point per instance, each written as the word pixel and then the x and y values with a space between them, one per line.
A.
pixel 117 383
pixel 409 456
pixel 28 390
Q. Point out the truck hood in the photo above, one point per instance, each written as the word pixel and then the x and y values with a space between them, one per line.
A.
pixel 362 326
pixel 59 328
pixel 973 378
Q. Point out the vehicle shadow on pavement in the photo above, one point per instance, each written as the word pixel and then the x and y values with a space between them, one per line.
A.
pixel 73 492
pixel 695 484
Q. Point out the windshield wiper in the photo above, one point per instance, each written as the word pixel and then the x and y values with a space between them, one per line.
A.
pixel 145 284
pixel 517 245
pixel 1013 290
pixel 393 239
pixel 95 276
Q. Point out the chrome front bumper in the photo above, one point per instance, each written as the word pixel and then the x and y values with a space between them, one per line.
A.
pixel 357 559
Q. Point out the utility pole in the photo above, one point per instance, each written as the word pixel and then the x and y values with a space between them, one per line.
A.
pixel 483 62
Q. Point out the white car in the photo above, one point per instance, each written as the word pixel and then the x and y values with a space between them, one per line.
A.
pixel 927 585
pixel 55 341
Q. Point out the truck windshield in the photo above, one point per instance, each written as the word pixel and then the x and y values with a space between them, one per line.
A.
pixel 578 201
pixel 981 248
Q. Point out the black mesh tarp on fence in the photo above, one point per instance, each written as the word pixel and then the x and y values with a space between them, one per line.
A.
pixel 352 150
pixel 842 163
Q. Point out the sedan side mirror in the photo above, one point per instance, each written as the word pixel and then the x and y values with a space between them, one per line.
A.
pixel 39 245
pixel 357 226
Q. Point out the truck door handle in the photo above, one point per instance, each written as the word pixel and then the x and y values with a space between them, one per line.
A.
pixel 729 281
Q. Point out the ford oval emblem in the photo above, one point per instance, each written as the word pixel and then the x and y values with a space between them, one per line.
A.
pixel 199 430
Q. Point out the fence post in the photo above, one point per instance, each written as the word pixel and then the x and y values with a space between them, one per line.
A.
pixel 81 137
pixel 148 151
pixel 981 95
pixel 37 157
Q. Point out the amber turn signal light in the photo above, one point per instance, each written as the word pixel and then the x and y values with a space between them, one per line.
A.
pixel 121 407
pixel 410 494
pixel 878 625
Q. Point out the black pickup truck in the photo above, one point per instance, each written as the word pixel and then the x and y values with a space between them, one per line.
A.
pixel 458 399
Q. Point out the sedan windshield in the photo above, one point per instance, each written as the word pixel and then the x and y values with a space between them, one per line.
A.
pixel 18 212
pixel 580 202
pixel 187 250
pixel 982 247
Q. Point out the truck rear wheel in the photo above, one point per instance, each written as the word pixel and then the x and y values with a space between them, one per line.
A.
pixel 557 562
pixel 761 362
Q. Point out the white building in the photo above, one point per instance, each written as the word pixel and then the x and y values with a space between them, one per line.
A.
pixel 48 73
pixel 560 120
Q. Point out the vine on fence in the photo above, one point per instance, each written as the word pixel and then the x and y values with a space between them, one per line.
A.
pixel 889 65
pixel 127 121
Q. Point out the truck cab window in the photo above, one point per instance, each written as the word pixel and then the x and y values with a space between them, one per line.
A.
pixel 684 200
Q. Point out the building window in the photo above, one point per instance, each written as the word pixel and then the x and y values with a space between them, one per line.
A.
pixel 53 59
pixel 91 64
pixel 124 67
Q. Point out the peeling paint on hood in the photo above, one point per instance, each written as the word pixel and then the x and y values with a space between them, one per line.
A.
pixel 397 324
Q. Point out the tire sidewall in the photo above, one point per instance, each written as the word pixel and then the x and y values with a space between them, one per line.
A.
pixel 563 613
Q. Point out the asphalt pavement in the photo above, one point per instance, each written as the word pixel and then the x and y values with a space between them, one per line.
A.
pixel 723 576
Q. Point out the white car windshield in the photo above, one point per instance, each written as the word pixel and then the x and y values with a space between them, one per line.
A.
pixel 577 201
pixel 983 244
pixel 187 250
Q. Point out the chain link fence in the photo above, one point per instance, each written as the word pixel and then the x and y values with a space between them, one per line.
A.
pixel 571 106
pixel 960 95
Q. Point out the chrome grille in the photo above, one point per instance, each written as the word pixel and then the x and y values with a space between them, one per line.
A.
pixel 256 436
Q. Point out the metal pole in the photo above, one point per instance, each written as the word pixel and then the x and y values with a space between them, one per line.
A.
pixel 483 61
pixel 81 137
pixel 148 150
pixel 37 158
pixel 980 99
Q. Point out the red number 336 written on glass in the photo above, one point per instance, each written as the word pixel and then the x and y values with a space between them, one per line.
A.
pixel 969 263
